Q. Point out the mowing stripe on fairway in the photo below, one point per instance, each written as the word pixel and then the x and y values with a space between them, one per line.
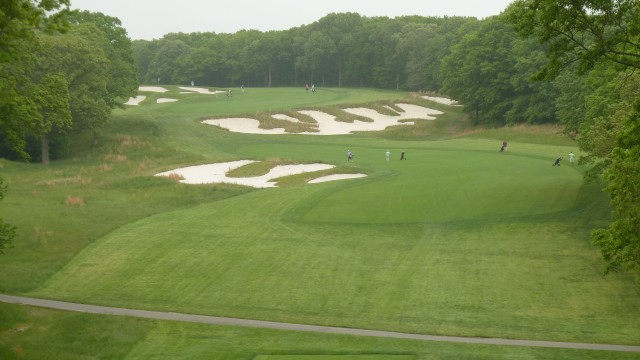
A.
pixel 224 321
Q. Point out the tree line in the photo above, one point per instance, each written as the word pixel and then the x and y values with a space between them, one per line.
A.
pixel 540 61
pixel 482 63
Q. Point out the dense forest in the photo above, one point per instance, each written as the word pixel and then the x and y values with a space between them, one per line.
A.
pixel 540 61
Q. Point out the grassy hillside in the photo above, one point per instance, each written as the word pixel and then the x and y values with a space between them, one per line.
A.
pixel 458 240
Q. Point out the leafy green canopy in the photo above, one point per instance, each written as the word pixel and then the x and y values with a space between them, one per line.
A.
pixel 18 112
pixel 338 50
pixel 620 243
pixel 19 20
pixel 488 70
pixel 581 32
pixel 95 61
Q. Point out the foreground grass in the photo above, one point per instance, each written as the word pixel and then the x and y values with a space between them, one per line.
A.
pixel 266 255
pixel 459 240
pixel 32 333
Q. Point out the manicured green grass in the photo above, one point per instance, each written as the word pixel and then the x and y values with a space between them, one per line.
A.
pixel 261 255
pixel 335 357
pixel 257 100
pixel 47 334
pixel 458 240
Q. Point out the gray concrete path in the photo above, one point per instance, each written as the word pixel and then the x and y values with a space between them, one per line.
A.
pixel 204 319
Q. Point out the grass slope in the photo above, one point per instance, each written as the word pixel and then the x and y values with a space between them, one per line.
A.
pixel 458 240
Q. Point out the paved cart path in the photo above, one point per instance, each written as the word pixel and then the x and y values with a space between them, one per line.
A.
pixel 215 320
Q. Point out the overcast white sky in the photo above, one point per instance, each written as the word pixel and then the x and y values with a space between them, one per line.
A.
pixel 152 19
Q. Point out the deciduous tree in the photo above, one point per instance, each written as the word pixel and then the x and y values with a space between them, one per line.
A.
pixel 581 32
pixel 52 97
pixel 620 242
pixel 18 19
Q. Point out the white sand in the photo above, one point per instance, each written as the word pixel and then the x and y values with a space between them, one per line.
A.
pixel 335 177
pixel 135 100
pixel 199 90
pixel 216 173
pixel 441 100
pixel 327 124
pixel 152 89
pixel 165 100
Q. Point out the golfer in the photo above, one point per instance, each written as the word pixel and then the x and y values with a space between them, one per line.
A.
pixel 557 162
pixel 388 154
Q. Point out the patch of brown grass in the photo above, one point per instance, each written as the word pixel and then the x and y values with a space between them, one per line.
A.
pixel 75 180
pixel 42 235
pixel 126 141
pixel 145 164
pixel 74 201
pixel 530 129
pixel 542 129
pixel 116 158
pixel 175 177
pixel 18 351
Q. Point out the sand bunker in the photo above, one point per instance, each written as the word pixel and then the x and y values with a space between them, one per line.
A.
pixel 217 173
pixel 285 117
pixel 328 126
pixel 135 100
pixel 243 125
pixel 335 177
pixel 152 89
pixel 165 100
pixel 199 90
pixel 441 100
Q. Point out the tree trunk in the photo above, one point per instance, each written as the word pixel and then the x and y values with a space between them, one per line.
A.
pixel 45 150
